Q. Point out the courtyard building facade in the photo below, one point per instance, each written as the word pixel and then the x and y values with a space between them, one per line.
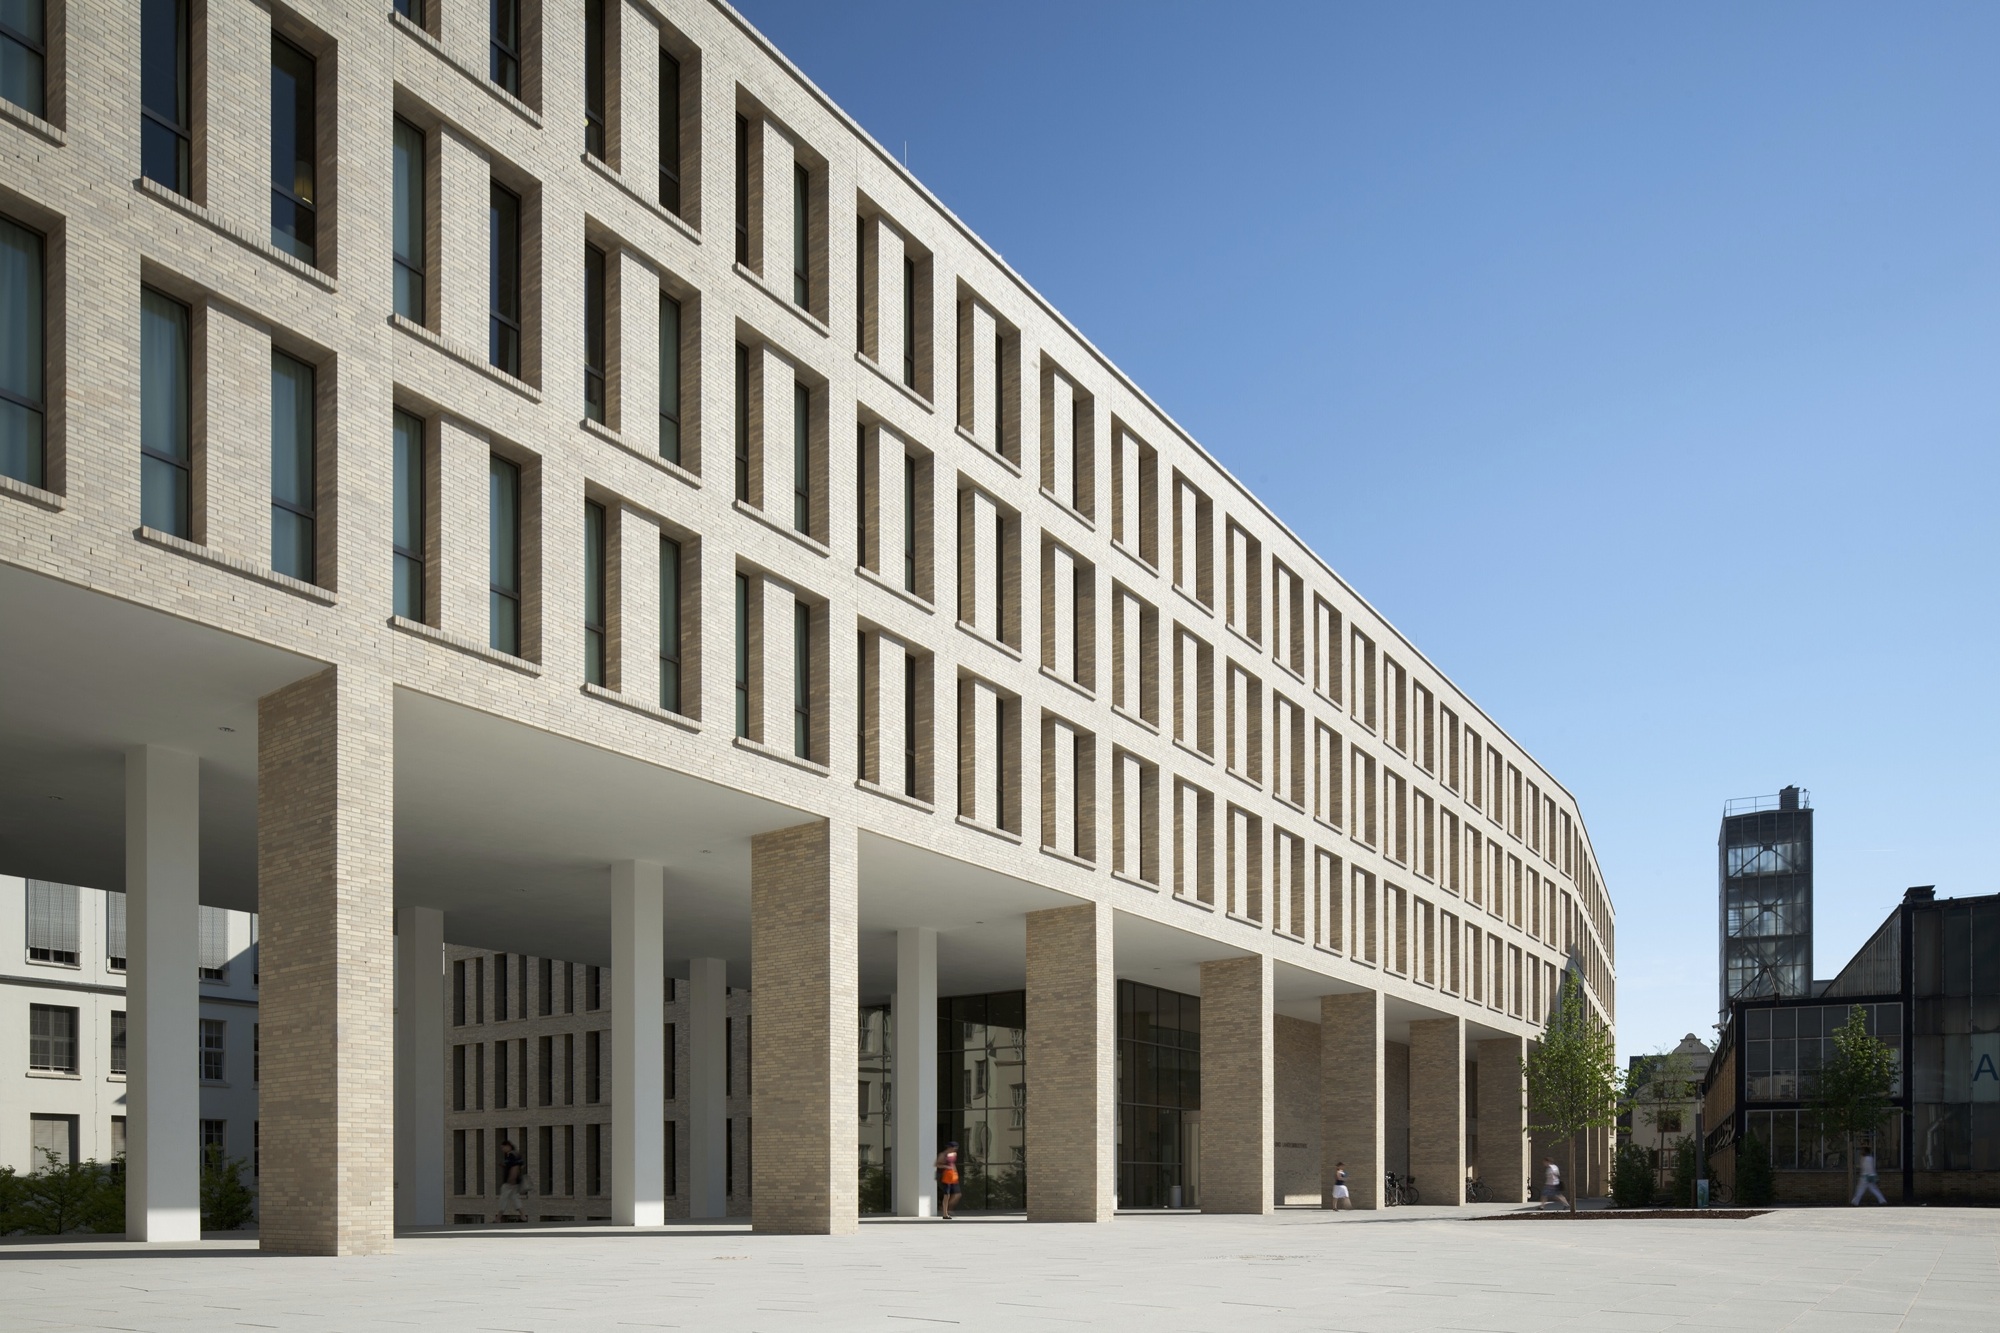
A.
pixel 689 552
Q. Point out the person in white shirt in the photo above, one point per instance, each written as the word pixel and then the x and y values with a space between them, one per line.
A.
pixel 1552 1183
pixel 1869 1179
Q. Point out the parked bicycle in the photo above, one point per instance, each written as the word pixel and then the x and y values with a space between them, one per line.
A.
pixel 1475 1191
pixel 1398 1190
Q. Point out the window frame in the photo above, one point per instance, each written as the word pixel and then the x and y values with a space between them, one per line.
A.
pixel 214 1053
pixel 504 49
pixel 40 51
pixel 596 40
pixel 411 273
pixel 671 352
pixel 596 340
pixel 415 481
pixel 182 128
pixel 504 470
pixel 35 326
pixel 306 512
pixel 183 465
pixel 672 623
pixel 503 326
pixel 596 635
pixel 670 131
pixel 51 1051
pixel 307 135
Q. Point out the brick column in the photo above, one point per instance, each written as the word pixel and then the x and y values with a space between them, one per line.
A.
pixel 1072 1065
pixel 324 832
pixel 420 1050
pixel 1437 1109
pixel 804 896
pixel 1236 1085
pixel 1350 1034
pixel 1503 1119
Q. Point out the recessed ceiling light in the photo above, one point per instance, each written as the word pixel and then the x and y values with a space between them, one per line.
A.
pixel 225 728
pixel 55 798
pixel 706 852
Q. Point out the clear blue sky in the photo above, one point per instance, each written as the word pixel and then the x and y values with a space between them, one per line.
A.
pixel 1641 363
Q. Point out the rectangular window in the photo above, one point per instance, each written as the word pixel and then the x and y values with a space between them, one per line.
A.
pixel 594 340
pixel 24 55
pixel 52 1038
pixel 743 423
pixel 500 1089
pixel 22 454
pixel 166 123
pixel 743 655
pixel 909 523
pixel 292 467
pixel 593 78
pixel 407 225
pixel 212 964
pixel 504 555
pixel 165 400
pixel 503 342
pixel 213 1034
pixel 593 593
pixel 909 724
pixel 670 378
pixel 801 458
pixel 670 133
pixel 114 931
pixel 52 1136
pixel 52 922
pixel 802 680
pixel 408 538
pixel 294 152
pixel 743 191
pixel 670 624
pixel 593 1046
pixel 504 54
pixel 801 266
pixel 909 321
pixel 118 1056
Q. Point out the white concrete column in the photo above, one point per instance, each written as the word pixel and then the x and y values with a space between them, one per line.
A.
pixel 913 1071
pixel 708 1108
pixel 638 1055
pixel 419 1067
pixel 162 939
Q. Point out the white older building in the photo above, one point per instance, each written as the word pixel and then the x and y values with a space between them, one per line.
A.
pixel 692 551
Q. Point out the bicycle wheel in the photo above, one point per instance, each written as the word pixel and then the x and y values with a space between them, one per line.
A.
pixel 1410 1194
pixel 1718 1193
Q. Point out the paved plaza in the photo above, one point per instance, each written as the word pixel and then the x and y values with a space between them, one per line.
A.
pixel 1408 1269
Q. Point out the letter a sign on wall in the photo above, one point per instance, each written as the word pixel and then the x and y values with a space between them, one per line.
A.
pixel 1986 1067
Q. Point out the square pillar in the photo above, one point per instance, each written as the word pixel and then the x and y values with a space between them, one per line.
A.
pixel 325 820
pixel 1237 1125
pixel 1504 1165
pixel 804 896
pixel 638 1054
pixel 1350 1061
pixel 162 927
pixel 1437 1109
pixel 420 1052
pixel 708 1105
pixel 1072 1065
pixel 913 1068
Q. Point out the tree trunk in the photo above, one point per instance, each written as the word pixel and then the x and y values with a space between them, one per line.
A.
pixel 1850 1166
pixel 1570 1179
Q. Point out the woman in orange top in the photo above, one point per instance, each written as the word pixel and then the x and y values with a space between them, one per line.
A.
pixel 947 1180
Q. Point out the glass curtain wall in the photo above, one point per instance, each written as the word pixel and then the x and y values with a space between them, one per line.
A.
pixel 1955 1070
pixel 983 1095
pixel 876 1136
pixel 1159 1098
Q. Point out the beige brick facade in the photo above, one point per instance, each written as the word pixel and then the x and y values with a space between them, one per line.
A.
pixel 1114 678
pixel 1237 1076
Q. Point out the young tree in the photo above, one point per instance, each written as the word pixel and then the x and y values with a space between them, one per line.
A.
pixel 1850 1097
pixel 1573 1081
pixel 1661 1089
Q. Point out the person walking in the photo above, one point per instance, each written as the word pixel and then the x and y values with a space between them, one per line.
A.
pixel 1869 1180
pixel 513 1175
pixel 1552 1184
pixel 948 1185
pixel 1341 1198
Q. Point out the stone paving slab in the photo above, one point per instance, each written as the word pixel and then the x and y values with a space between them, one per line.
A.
pixel 1399 1271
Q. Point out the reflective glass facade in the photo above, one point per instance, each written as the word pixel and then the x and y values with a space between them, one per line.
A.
pixel 1159 1098
pixel 983 1095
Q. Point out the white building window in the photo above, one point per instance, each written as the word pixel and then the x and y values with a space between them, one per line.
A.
pixel 213 1066
pixel 52 925
pixel 52 1038
pixel 214 944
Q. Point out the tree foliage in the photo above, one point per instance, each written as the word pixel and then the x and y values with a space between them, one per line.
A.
pixel 1632 1177
pixel 1756 1184
pixel 1850 1097
pixel 226 1202
pixel 1573 1077
pixel 63 1197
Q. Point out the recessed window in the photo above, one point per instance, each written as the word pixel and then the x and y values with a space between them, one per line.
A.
pixel 593 78
pixel 743 191
pixel 742 423
pixel 409 517
pixel 294 152
pixel 593 593
pixel 802 680
pixel 504 555
pixel 504 44
pixel 52 1038
pixel 214 1066
pixel 407 224
pixel 801 458
pixel 670 378
pixel 594 340
pixel 22 424
pixel 118 1046
pixel 166 126
pixel 801 256
pixel 293 467
pixel 670 624
pixel 52 923
pixel 114 931
pixel 212 960
pixel 166 456
pixel 503 347
pixel 743 655
pixel 670 133
pixel 24 55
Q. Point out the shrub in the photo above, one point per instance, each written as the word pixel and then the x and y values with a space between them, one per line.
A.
pixel 1632 1177
pixel 1756 1187
pixel 226 1202
pixel 63 1197
pixel 1681 1191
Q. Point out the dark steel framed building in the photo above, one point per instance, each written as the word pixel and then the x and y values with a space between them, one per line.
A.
pixel 1765 897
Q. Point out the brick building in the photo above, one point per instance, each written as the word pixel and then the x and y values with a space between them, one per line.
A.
pixel 717 566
